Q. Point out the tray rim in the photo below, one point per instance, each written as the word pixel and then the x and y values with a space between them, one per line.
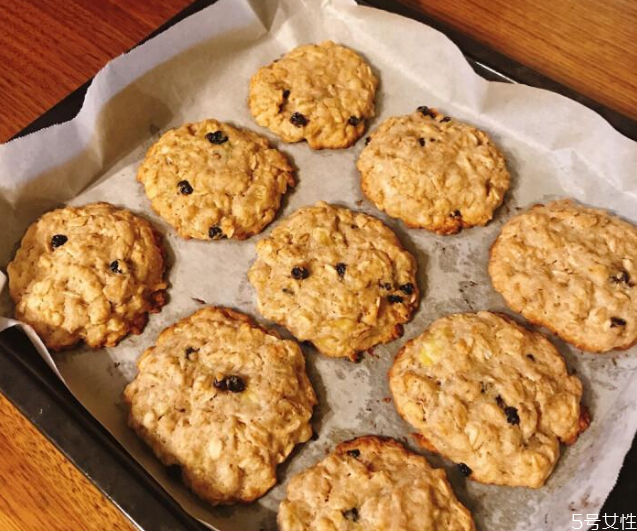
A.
pixel 100 457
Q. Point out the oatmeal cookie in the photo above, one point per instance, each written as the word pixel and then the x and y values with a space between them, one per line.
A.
pixel 490 395
pixel 373 484
pixel 90 273
pixel 573 270
pixel 433 172
pixel 337 278
pixel 210 180
pixel 322 93
pixel 223 399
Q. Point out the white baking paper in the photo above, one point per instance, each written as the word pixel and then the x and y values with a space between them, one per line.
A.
pixel 199 69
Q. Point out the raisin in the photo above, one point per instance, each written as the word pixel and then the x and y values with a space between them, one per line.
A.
pixel 185 188
pixel 222 384
pixel 620 278
pixel 422 141
pixel 395 299
pixel 445 119
pixel 216 233
pixel 617 321
pixel 298 120
pixel 216 138
pixel 531 357
pixel 407 288
pixel 234 384
pixel 351 514
pixel 356 453
pixel 340 269
pixel 286 95
pixel 426 111
pixel 464 470
pixel 189 351
pixel 58 240
pixel 114 266
pixel 354 120
pixel 501 403
pixel 456 214
pixel 368 140
pixel 300 273
pixel 512 415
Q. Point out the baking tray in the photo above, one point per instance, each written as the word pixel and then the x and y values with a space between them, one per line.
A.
pixel 34 389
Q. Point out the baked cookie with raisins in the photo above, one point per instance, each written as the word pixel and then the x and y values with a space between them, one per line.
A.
pixel 322 93
pixel 337 278
pixel 433 172
pixel 91 273
pixel 212 181
pixel 572 269
pixel 490 395
pixel 223 399
pixel 374 484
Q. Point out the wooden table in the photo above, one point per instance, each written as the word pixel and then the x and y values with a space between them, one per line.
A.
pixel 49 48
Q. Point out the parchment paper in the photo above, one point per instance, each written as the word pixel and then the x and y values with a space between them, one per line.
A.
pixel 200 68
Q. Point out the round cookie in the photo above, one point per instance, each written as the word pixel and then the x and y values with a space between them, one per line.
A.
pixel 210 180
pixel 225 400
pixel 90 273
pixel 490 395
pixel 573 270
pixel 321 93
pixel 373 484
pixel 337 278
pixel 433 172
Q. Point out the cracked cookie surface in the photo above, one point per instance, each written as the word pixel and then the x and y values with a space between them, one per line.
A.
pixel 433 172
pixel 572 269
pixel 489 395
pixel 210 180
pixel 90 273
pixel 322 93
pixel 225 400
pixel 374 484
pixel 337 278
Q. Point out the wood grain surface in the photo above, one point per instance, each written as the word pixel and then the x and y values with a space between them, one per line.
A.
pixel 588 45
pixel 41 490
pixel 48 48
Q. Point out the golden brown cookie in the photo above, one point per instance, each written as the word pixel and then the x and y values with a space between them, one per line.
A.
pixel 337 278
pixel 210 180
pixel 433 172
pixel 225 400
pixel 372 484
pixel 90 273
pixel 573 270
pixel 490 395
pixel 322 93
